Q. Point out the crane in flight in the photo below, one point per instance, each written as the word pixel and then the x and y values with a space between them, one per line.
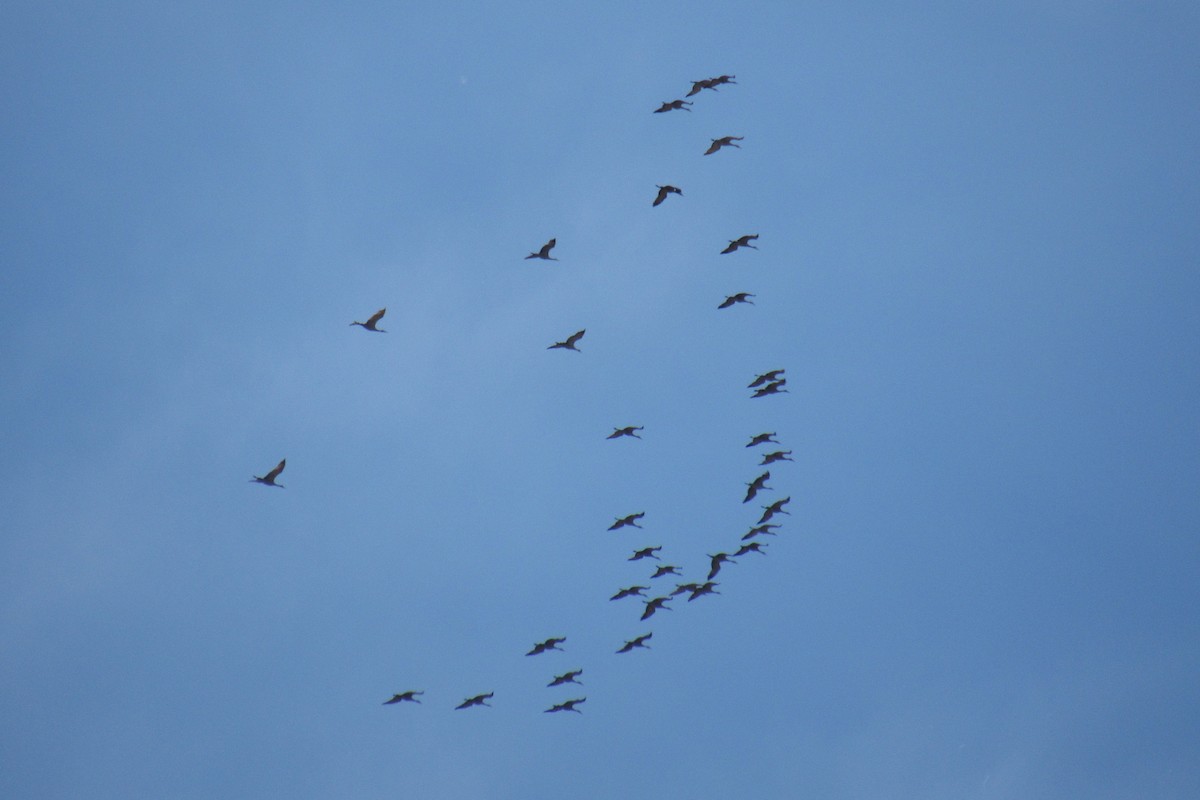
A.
pixel 630 520
pixel 703 589
pixel 269 478
pixel 771 388
pixel 778 455
pixel 477 700
pixel 757 485
pixel 773 509
pixel 568 705
pixel 566 677
pixel 759 380
pixel 763 529
pixel 740 297
pixel 639 641
pixel 717 561
pixel 631 591
pixel 665 569
pixel 654 605
pixel 550 644
pixel 410 696
pixel 628 430
pixel 570 342
pixel 750 547
pixel 724 141
pixel 673 105
pixel 645 552
pixel 372 322
pixel 544 253
pixel 663 191
pixel 762 438
pixel 741 241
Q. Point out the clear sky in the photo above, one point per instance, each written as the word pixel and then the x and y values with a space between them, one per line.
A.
pixel 977 263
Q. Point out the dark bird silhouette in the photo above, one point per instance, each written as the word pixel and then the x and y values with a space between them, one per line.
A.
pixel 750 547
pixel 762 438
pixel 766 377
pixel 544 253
pixel 549 644
pixel 703 589
pixel 566 677
pixel 756 485
pixel 724 141
pixel 568 705
pixel 697 86
pixel 645 552
pixel 640 641
pixel 684 588
pixel 632 590
pixel 740 297
pixel 569 344
pixel 630 520
pixel 673 105
pixel 654 605
pixel 665 569
pixel 477 700
pixel 763 529
pixel 717 561
pixel 770 388
pixel 778 455
pixel 410 696
pixel 269 478
pixel 663 191
pixel 722 80
pixel 626 431
pixel 372 322
pixel 773 509
pixel 741 241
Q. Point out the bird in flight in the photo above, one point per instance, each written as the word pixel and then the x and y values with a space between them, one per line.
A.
pixel 766 377
pixel 630 520
pixel 773 509
pixel 703 589
pixel 566 677
pixel 568 705
pixel 741 241
pixel 763 529
pixel 771 388
pixel 663 191
pixel 740 297
pixel 632 590
pixel 724 141
pixel 372 322
pixel 477 700
pixel 757 485
pixel 570 343
pixel 645 552
pixel 750 547
pixel 697 86
pixel 717 561
pixel 778 455
pixel 544 253
pixel 550 644
pixel 721 81
pixel 410 696
pixel 673 105
pixel 654 605
pixel 665 569
pixel 640 641
pixel 762 438
pixel 269 478
pixel 684 588
pixel 626 431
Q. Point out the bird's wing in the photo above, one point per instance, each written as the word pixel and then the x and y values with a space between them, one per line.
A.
pixel 378 315
pixel 575 337
pixel 729 249
pixel 728 302
pixel 662 195
pixel 273 474
pixel 712 148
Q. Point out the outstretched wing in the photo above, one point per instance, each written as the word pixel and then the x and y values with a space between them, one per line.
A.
pixel 574 337
pixel 662 195
pixel 712 148
pixel 273 474
pixel 378 315
pixel 732 246
pixel 546 248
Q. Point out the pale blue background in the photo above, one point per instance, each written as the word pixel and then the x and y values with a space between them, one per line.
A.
pixel 978 264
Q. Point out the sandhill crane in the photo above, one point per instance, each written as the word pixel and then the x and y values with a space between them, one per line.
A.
pixel 684 588
pixel 550 644
pixel 757 485
pixel 566 677
pixel 741 241
pixel 269 478
pixel 654 605
pixel 645 552
pixel 410 696
pixel 663 191
pixel 778 455
pixel 673 105
pixel 568 705
pixel 569 344
pixel 639 641
pixel 632 590
pixel 766 377
pixel 740 297
pixel 372 322
pixel 665 569
pixel 477 700
pixel 703 589
pixel 724 141
pixel 763 529
pixel 697 86
pixel 722 80
pixel 717 561
pixel 544 253
pixel 770 388
pixel 630 520
pixel 628 430
pixel 773 509
pixel 762 438
pixel 750 547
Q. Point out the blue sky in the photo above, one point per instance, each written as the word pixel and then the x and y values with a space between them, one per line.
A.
pixel 978 264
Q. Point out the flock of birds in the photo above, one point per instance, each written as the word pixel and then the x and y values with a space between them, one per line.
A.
pixel 768 383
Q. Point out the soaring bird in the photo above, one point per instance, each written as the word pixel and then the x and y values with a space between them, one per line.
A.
pixel 684 588
pixel 269 478
pixel 740 297
pixel 762 438
pixel 626 431
pixel 741 241
pixel 759 380
pixel 703 589
pixel 544 253
pixel 717 561
pixel 654 605
pixel 665 569
pixel 550 644
pixel 566 677
pixel 568 705
pixel 697 86
pixel 778 455
pixel 673 105
pixel 770 388
pixel 639 641
pixel 663 191
pixel 569 344
pixel 372 322
pixel 399 698
pixel 722 80
pixel 763 529
pixel 645 552
pixel 757 485
pixel 750 547
pixel 630 520
pixel 724 141
pixel 477 700
pixel 632 590
pixel 773 509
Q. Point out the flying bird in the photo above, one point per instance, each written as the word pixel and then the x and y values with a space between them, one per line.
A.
pixel 410 696
pixel 750 547
pixel 372 322
pixel 717 561
pixel 697 86
pixel 724 141
pixel 740 297
pixel 762 438
pixel 673 105
pixel 269 478
pixel 663 191
pixel 477 700
pixel 549 644
pixel 645 552
pixel 630 520
pixel 759 380
pixel 544 253
pixel 665 569
pixel 741 241
pixel 640 641
pixel 757 485
pixel 703 589
pixel 654 605
pixel 773 509
pixel 722 80
pixel 778 455
pixel 763 529
pixel 568 705
pixel 566 677
pixel 569 344
pixel 684 588
pixel 632 590
pixel 626 431
pixel 770 388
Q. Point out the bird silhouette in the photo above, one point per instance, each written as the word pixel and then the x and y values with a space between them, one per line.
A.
pixel 724 141
pixel 632 590
pixel 722 80
pixel 778 455
pixel 410 696
pixel 763 529
pixel 477 700
pixel 684 588
pixel 568 705
pixel 569 344
pixel 269 478
pixel 639 641
pixel 766 377
pixel 773 509
pixel 770 388
pixel 626 431
pixel 645 552
pixel 566 677
pixel 740 297
pixel 550 644
pixel 717 561
pixel 703 589
pixel 663 191
pixel 757 485
pixel 673 105
pixel 697 86
pixel 750 547
pixel 762 438
pixel 372 322
pixel 544 253
pixel 741 241
pixel 665 569
pixel 654 605
pixel 630 520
